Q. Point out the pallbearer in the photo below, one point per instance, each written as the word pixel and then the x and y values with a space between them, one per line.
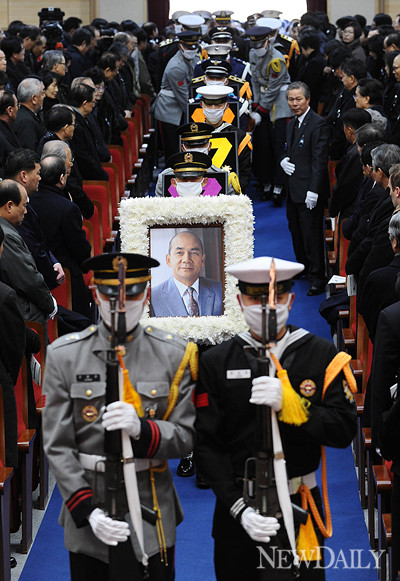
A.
pixel 314 406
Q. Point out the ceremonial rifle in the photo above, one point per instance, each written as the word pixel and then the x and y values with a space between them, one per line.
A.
pixel 260 491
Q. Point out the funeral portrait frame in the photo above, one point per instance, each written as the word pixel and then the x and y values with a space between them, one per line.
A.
pixel 232 215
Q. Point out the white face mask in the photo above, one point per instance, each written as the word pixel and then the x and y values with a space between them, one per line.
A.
pixel 252 315
pixel 214 82
pixel 189 54
pixel 178 28
pixel 189 189
pixel 214 116
pixel 199 149
pixel 260 52
pixel 133 311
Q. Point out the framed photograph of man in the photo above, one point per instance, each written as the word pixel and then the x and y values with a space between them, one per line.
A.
pixel 189 280
pixel 217 183
pixel 193 239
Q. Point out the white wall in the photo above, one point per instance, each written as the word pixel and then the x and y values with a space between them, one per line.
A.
pixel 338 8
pixel 123 10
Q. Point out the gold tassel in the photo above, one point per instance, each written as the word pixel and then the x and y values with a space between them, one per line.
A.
pixel 307 544
pixel 233 181
pixel 294 408
pixel 130 395
pixel 189 357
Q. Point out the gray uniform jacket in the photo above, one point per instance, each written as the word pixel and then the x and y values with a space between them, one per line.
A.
pixel 18 270
pixel 75 384
pixel 173 97
pixel 169 171
pixel 269 84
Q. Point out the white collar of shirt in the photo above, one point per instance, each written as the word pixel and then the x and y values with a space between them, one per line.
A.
pixel 301 118
pixel 182 288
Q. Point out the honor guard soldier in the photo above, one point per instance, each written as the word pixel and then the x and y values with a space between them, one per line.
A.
pixel 286 45
pixel 189 170
pixel 153 416
pixel 195 138
pixel 224 35
pixel 216 72
pixel 223 18
pixel 262 371
pixel 270 79
pixel 170 105
pixel 215 111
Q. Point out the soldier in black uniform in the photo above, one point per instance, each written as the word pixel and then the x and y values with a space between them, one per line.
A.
pixel 229 389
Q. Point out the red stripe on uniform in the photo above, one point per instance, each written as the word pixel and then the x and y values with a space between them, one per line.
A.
pixel 202 400
pixel 79 500
pixel 155 439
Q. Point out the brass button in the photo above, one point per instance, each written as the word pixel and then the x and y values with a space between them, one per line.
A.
pixel 153 392
pixel 149 329
pixel 169 337
pixel 89 392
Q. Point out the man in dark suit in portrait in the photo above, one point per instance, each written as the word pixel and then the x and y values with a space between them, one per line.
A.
pixel 186 293
pixel 305 164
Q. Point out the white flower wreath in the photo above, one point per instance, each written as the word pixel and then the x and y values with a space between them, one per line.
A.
pixel 235 214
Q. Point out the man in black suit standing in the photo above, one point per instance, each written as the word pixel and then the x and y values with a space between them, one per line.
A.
pixel 305 163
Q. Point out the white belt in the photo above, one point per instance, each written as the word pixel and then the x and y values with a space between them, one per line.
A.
pixel 167 93
pixel 95 462
pixel 308 479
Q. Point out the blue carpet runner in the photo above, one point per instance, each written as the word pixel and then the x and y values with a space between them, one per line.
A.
pixel 348 551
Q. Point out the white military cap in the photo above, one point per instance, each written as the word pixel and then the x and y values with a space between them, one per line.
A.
pixel 215 92
pixel 218 50
pixel 254 275
pixel 223 14
pixel 178 14
pixel 204 13
pixel 191 20
pixel 272 23
pixel 271 13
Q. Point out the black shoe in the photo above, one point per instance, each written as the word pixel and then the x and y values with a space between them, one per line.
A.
pixel 13 562
pixel 186 466
pixel 201 483
pixel 266 193
pixel 315 290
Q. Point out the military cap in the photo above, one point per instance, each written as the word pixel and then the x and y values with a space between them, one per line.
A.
pixel 195 133
pixel 223 15
pixel 217 50
pixel 272 23
pixel 258 35
pixel 106 269
pixel 189 38
pixel 191 21
pixel 189 163
pixel 214 94
pixel 219 32
pixel 213 66
pixel 271 13
pixel 204 13
pixel 254 274
pixel 178 14
pixel 251 19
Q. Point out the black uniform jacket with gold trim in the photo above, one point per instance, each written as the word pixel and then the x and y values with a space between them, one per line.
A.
pixel 226 421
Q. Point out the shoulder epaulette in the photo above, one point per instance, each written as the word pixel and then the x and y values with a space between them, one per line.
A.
pixel 166 42
pixel 237 79
pixel 74 337
pixel 198 79
pixel 163 336
pixel 286 37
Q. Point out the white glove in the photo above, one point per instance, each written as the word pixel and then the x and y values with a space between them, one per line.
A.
pixel 256 117
pixel 109 531
pixel 259 528
pixel 60 272
pixel 287 166
pixel 311 200
pixel 267 391
pixel 120 415
pixel 54 312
